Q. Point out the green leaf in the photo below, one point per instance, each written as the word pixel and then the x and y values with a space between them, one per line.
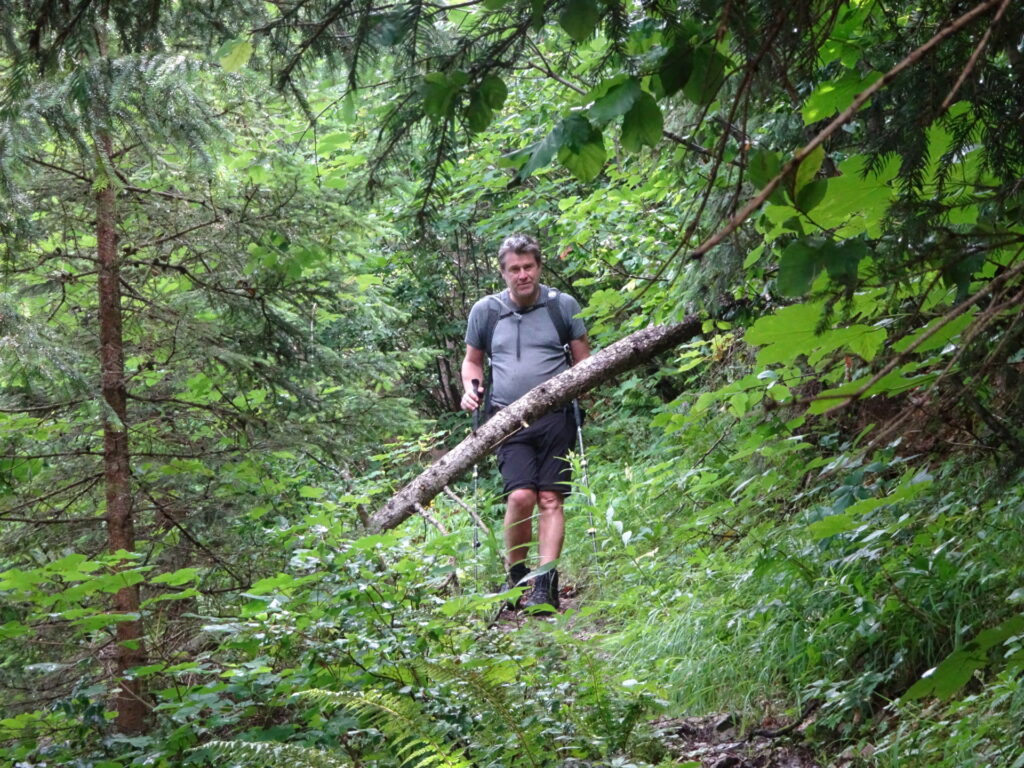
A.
pixel 835 96
pixel 176 578
pixel 762 167
pixel 537 15
pixel 808 198
pixel 842 260
pixel 579 19
pixel 618 99
pixel 856 204
pixel 941 337
pixel 493 91
pixel 959 667
pixel 852 516
pixel 538 154
pixel 707 77
pixel 676 67
pixel 799 264
pixel 832 525
pixel 582 150
pixel 234 54
pixel 643 124
pixel 438 92
pixel 478 113
pixel 348 108
pixel 868 343
pixel 807 170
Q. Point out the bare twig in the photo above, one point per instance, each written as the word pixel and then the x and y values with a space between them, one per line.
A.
pixel 973 60
pixel 430 518
pixel 472 512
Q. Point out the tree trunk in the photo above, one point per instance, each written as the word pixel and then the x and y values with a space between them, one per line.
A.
pixel 130 706
pixel 621 356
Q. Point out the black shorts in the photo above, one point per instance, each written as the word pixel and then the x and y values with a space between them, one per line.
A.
pixel 534 457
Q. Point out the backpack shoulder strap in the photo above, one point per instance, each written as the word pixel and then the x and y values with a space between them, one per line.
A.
pixel 554 305
pixel 491 320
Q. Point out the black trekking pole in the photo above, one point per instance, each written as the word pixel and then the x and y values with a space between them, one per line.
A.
pixel 577 415
pixel 476 466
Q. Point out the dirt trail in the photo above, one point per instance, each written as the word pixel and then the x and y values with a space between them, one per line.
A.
pixel 711 741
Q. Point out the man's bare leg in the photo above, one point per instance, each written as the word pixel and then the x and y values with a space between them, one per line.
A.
pixel 551 528
pixel 519 525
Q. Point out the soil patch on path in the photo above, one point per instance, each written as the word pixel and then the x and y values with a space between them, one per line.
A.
pixel 714 742
pixel 711 741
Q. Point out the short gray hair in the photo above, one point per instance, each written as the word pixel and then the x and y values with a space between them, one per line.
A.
pixel 519 244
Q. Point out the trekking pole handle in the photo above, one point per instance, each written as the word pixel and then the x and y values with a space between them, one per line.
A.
pixel 476 411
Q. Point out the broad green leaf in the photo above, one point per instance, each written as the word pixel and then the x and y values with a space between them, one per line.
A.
pixel 676 67
pixel 707 76
pixel 807 170
pixel 812 194
pixel 841 260
pixel 868 342
pixel 618 100
pixel 800 263
pixel 786 334
pixel 539 154
pixel 478 113
pixel 642 124
pixel 176 578
pixel 582 150
pixel 835 96
pixel 438 91
pixel 763 166
pixel 941 337
pixel 579 19
pixel 832 525
pixel 493 91
pixel 234 54
pixel 852 516
pixel 854 204
pixel 895 382
pixel 98 621
pixel 959 667
pixel 332 142
pixel 790 332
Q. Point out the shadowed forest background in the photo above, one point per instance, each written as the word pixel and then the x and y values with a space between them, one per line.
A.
pixel 239 244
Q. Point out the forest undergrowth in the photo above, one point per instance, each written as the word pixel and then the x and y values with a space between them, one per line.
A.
pixel 239 245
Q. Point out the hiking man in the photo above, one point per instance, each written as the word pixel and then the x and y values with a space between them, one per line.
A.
pixel 525 330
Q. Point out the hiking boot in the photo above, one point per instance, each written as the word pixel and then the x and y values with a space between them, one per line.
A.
pixel 516 574
pixel 544 596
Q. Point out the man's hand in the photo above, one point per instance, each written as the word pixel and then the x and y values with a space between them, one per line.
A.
pixel 472 375
pixel 472 400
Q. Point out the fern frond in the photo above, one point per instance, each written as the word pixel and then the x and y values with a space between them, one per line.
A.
pixel 263 753
pixel 413 738
pixel 486 687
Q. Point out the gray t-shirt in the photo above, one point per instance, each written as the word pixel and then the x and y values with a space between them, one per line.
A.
pixel 525 349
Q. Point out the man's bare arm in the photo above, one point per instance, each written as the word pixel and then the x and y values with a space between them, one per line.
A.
pixel 580 349
pixel 472 368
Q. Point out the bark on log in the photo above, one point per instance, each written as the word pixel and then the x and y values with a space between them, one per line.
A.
pixel 623 355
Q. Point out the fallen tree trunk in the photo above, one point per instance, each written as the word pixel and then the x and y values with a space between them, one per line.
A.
pixel 623 355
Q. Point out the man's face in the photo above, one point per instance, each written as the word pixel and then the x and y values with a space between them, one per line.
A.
pixel 522 276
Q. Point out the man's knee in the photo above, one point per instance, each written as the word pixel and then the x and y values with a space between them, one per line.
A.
pixel 549 501
pixel 522 498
